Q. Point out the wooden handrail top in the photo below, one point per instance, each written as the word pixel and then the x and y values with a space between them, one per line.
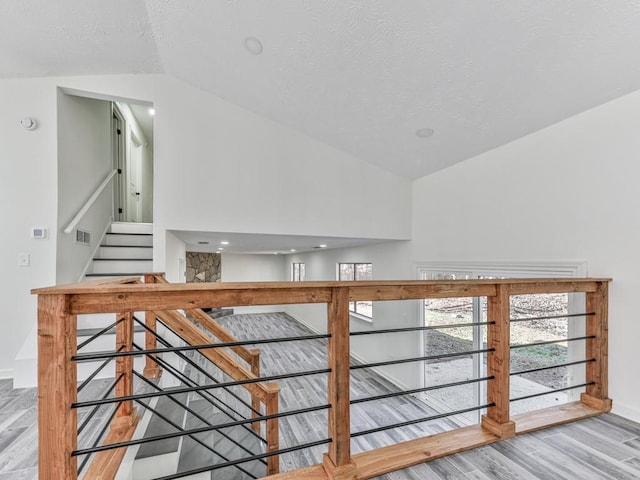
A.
pixel 458 286
pixel 92 298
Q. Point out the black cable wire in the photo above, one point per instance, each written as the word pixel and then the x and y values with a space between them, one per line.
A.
pixel 202 387
pixel 96 372
pixel 100 333
pixel 420 420
pixel 420 390
pixel 549 342
pixel 416 329
pixel 539 369
pixel 95 409
pixel 165 436
pixel 420 359
pixel 540 394
pixel 200 369
pixel 205 346
pixel 192 437
pixel 243 460
pixel 197 415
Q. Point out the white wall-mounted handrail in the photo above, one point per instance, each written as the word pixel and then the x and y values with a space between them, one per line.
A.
pixel 90 202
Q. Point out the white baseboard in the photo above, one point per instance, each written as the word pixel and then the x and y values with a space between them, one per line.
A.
pixel 25 373
pixel 302 322
pixel 626 411
pixel 6 373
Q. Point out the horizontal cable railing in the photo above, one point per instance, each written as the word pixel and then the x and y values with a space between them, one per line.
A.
pixel 319 408
pixel 568 320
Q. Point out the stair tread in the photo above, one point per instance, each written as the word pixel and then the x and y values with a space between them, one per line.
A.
pixel 196 456
pixel 158 426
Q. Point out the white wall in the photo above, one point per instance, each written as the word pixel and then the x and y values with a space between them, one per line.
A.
pixel 390 262
pixel 566 192
pixel 217 167
pixel 222 168
pixel 176 255
pixel 253 268
pixel 28 189
pixel 84 160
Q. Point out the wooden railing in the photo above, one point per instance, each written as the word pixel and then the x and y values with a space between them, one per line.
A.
pixel 58 307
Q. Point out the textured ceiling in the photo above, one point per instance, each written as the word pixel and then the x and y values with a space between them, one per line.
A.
pixel 362 76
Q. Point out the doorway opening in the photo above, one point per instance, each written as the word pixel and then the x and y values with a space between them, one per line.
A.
pixel 132 150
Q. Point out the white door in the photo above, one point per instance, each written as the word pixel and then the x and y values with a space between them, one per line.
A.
pixel 134 175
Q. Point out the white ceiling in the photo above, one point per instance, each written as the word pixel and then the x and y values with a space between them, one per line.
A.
pixel 244 243
pixel 360 75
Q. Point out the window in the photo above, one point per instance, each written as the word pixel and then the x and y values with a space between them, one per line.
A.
pixel 297 272
pixel 357 271
pixel 537 358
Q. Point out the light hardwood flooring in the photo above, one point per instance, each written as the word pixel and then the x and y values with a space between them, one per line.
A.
pixel 605 447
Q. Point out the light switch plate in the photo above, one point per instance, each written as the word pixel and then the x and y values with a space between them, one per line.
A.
pixel 24 259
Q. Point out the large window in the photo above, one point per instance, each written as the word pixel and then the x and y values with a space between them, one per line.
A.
pixel 297 272
pixel 531 366
pixel 357 271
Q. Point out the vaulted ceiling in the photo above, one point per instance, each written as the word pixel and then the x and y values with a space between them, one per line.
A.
pixel 361 75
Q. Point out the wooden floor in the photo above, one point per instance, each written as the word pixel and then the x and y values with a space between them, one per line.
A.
pixel 605 447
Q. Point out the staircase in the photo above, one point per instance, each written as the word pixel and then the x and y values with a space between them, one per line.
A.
pixel 126 250
pixel 168 457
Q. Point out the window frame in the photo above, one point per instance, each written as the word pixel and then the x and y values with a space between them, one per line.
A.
pixel 353 306
pixel 298 271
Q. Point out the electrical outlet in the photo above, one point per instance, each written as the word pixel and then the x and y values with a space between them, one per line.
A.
pixel 24 259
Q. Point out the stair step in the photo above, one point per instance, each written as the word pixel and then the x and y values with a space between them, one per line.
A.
pixel 131 228
pixel 128 239
pixel 157 459
pixel 107 265
pixel 194 455
pixel 125 251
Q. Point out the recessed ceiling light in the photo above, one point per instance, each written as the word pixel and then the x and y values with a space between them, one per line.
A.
pixel 224 242
pixel 220 248
pixel 323 246
pixel 424 132
pixel 292 250
pixel 253 45
pixel 152 111
pixel 203 242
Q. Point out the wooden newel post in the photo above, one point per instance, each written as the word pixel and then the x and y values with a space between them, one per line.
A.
pixel 126 416
pixel 57 389
pixel 497 419
pixel 273 428
pixel 337 462
pixel 255 401
pixel 597 395
pixel 151 367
